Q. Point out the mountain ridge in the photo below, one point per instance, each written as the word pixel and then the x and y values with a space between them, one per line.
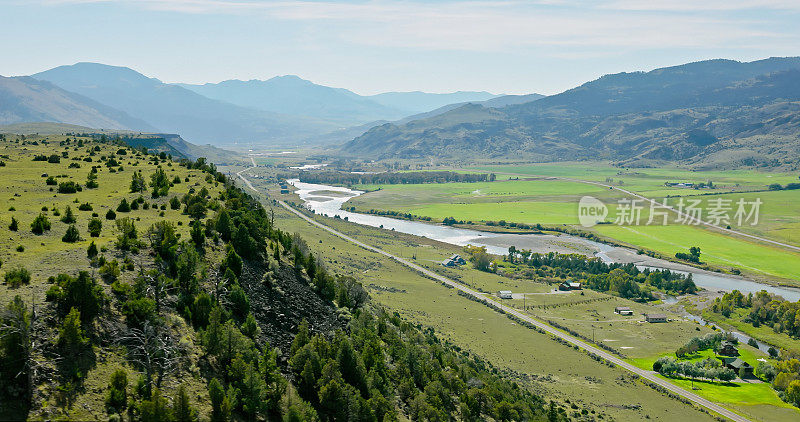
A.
pixel 26 99
pixel 636 117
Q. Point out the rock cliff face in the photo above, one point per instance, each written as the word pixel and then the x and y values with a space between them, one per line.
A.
pixel 282 303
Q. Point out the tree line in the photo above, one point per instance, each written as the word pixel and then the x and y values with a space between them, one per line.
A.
pixel 388 178
pixel 624 280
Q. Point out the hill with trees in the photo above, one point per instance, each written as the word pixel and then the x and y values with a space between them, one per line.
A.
pixel 156 289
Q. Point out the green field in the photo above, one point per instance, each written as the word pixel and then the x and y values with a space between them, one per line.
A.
pixel 554 202
pixel 717 249
pixel 647 179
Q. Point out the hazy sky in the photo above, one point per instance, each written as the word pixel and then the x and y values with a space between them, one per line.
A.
pixel 374 46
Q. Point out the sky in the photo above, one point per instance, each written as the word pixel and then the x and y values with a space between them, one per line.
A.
pixel 512 47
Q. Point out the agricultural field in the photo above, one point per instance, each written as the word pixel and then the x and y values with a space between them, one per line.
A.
pixel 647 181
pixel 723 251
pixel 555 203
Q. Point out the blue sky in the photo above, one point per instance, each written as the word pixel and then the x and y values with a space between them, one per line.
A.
pixel 375 46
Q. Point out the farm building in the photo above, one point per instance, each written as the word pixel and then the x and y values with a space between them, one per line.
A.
pixel 569 286
pixel 655 318
pixel 454 261
pixel 504 294
pixel 727 348
pixel 458 259
pixel 623 310
pixel 737 364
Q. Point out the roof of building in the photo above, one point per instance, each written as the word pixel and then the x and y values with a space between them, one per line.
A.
pixel 622 308
pixel 656 316
pixel 736 363
pixel 502 292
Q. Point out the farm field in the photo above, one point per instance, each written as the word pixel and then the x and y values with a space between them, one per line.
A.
pixel 592 315
pixel 552 367
pixel 717 249
pixel 647 179
pixel 757 401
pixel 555 203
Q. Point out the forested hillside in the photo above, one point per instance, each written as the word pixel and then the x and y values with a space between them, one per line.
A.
pixel 142 287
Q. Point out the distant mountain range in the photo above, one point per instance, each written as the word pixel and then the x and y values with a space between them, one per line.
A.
pixel 284 110
pixel 292 95
pixel 710 113
pixel 24 99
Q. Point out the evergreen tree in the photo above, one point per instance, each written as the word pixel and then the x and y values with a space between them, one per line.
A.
pixel 69 216
pixel 117 396
pixel 72 235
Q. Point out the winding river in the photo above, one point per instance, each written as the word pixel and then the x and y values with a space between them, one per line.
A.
pixel 329 200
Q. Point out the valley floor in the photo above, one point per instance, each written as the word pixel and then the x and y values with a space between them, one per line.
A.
pixel 547 365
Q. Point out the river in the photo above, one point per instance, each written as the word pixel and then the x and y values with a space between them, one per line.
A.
pixel 329 200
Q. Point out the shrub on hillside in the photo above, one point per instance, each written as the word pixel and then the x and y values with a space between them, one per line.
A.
pixel 40 224
pixel 69 216
pixel 17 277
pixel 95 227
pixel 124 206
pixel 68 187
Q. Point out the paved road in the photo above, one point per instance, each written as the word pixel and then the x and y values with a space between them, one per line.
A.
pixel 649 375
pixel 691 219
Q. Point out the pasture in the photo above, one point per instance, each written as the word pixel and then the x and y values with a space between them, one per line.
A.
pixel 555 202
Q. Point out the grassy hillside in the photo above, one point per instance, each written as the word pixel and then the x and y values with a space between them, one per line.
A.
pixel 136 287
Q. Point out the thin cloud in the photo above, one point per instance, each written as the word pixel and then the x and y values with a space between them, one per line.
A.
pixel 508 25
